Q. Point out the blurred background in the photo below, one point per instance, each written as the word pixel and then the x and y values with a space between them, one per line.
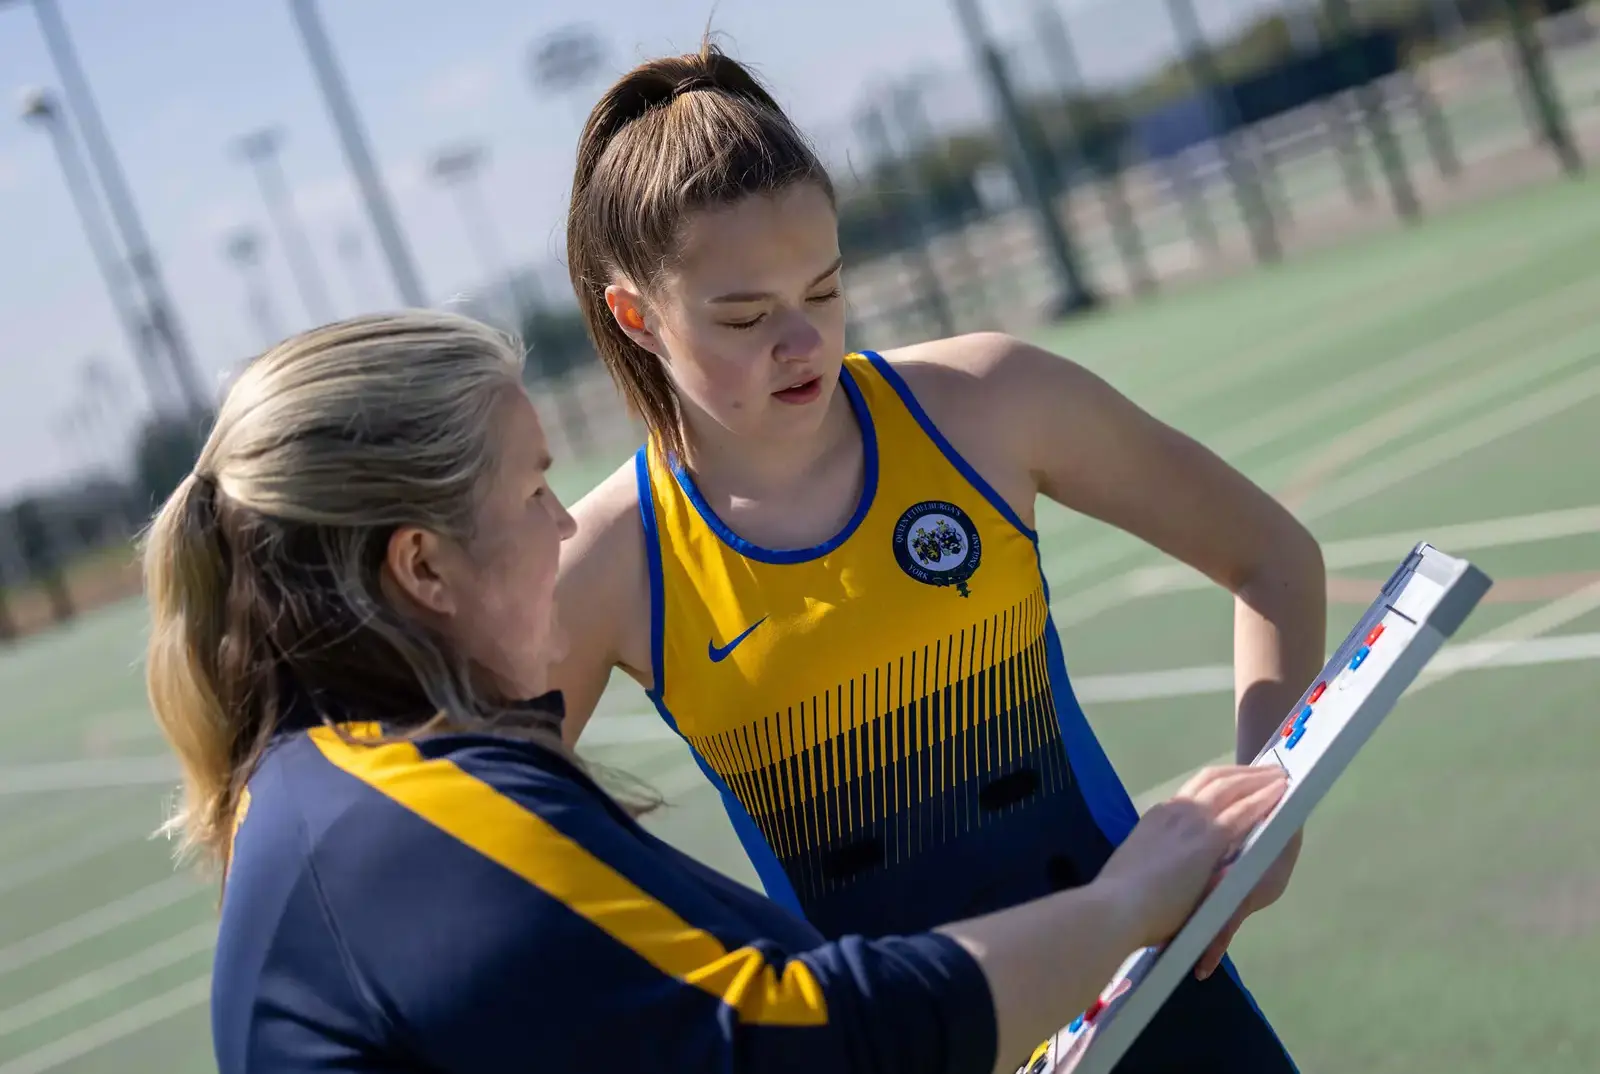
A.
pixel 1350 244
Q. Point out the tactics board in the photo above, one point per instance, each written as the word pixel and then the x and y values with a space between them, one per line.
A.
pixel 1421 605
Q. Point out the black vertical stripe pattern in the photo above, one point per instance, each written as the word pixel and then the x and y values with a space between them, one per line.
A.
pixel 914 753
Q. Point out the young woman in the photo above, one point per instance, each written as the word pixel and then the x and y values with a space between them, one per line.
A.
pixel 352 634
pixel 822 567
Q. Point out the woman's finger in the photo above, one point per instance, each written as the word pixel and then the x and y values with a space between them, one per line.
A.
pixel 1246 811
pixel 1218 797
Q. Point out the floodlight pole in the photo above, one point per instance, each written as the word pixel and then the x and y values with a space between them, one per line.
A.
pixel 458 169
pixel 1063 51
pixel 40 108
pixel 163 316
pixel 260 149
pixel 1540 86
pixel 243 248
pixel 1370 97
pixel 1243 174
pixel 1058 247
pixel 908 111
pixel 873 126
pixel 353 140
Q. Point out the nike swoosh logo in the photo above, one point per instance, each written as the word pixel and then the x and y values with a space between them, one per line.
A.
pixel 720 653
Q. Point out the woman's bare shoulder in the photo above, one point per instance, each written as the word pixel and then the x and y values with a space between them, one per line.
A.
pixel 603 592
pixel 974 389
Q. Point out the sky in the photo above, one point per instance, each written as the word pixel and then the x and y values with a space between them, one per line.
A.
pixel 179 81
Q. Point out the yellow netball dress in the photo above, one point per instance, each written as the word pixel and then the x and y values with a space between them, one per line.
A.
pixel 887 715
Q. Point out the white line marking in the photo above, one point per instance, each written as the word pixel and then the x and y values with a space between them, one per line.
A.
pixel 47 823
pixel 123 726
pixel 113 915
pixel 1489 652
pixel 1384 473
pixel 1154 685
pixel 1499 648
pixel 1519 635
pixel 1508 330
pixel 1448 446
pixel 1495 644
pixel 1504 649
pixel 1218 678
pixel 626 730
pixel 108 978
pixel 680 781
pixel 1290 343
pixel 1146 581
pixel 91 774
pixel 71 855
pixel 197 992
pixel 1196 681
pixel 1365 551
pixel 124 1023
pixel 1576 345
pixel 1468 536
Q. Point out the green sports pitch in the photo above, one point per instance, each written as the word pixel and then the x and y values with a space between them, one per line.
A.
pixel 1442 382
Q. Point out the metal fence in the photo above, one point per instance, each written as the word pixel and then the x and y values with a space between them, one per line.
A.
pixel 1089 153
pixel 1254 133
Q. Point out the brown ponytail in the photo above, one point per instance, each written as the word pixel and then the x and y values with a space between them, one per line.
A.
pixel 672 136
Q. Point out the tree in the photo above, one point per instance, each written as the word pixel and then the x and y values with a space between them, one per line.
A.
pixel 42 554
pixel 557 340
pixel 164 454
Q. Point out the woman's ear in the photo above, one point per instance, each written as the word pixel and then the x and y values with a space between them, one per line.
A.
pixel 413 563
pixel 628 309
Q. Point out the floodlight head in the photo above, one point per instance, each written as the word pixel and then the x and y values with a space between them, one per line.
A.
pixel 243 246
pixel 37 105
pixel 259 144
pixel 566 58
pixel 455 163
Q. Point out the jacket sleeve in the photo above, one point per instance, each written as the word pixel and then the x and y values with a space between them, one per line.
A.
pixel 502 917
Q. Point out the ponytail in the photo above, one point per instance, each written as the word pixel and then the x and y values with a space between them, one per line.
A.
pixel 186 582
pixel 263 569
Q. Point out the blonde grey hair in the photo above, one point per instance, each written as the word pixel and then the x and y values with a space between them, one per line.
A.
pixel 263 569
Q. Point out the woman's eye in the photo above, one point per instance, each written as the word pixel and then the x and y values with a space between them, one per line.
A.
pixel 815 300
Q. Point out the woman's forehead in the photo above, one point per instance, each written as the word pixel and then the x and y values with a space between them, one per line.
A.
pixel 522 441
pixel 759 242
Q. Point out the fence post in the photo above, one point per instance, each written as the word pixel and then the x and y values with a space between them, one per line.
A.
pixel 1242 172
pixel 1063 53
pixel 556 365
pixel 916 239
pixel 42 554
pixel 1370 97
pixel 1435 128
pixel 1305 36
pixel 1078 295
pixel 912 118
pixel 1538 86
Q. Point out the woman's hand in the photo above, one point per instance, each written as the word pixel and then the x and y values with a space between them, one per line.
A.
pixel 1171 857
pixel 1054 954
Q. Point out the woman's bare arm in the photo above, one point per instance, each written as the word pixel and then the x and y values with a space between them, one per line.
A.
pixel 1033 422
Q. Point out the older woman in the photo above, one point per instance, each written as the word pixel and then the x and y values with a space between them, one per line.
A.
pixel 352 634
